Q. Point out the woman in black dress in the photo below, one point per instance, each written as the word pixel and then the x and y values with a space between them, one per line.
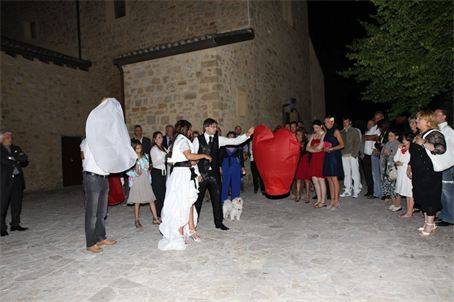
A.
pixel 332 166
pixel 426 182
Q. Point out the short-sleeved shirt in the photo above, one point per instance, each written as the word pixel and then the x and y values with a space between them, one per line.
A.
pixel 369 145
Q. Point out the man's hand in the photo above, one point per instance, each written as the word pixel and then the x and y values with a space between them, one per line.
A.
pixel 250 131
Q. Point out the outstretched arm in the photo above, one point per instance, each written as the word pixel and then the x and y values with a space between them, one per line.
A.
pixel 225 141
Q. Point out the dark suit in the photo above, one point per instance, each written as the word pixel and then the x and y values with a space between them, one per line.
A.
pixel 12 183
pixel 167 142
pixel 146 144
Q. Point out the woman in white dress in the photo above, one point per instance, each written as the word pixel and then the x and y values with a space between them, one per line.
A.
pixel 403 183
pixel 178 215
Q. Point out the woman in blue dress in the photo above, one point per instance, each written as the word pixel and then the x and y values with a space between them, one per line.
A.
pixel 332 166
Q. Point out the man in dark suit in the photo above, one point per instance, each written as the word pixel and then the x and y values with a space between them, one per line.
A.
pixel 169 137
pixel 145 141
pixel 12 182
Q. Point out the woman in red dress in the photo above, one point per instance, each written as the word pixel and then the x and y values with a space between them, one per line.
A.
pixel 302 172
pixel 316 147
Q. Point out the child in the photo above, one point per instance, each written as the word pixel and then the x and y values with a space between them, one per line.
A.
pixel 140 184
pixel 232 165
pixel 389 172
pixel 403 183
pixel 302 172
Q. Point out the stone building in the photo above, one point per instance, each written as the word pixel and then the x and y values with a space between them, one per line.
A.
pixel 237 61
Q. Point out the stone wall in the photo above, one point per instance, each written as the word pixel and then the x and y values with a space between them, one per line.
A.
pixel 317 86
pixel 266 71
pixel 162 91
pixel 40 103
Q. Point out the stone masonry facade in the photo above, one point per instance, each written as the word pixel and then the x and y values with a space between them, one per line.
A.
pixel 244 83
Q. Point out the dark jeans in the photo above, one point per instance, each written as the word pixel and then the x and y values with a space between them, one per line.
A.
pixel 256 179
pixel 96 191
pixel 212 184
pixel 12 195
pixel 447 196
pixel 158 183
pixel 367 165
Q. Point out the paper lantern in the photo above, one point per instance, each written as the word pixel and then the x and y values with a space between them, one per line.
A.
pixel 276 156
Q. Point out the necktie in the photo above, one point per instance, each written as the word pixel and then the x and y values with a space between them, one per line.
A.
pixel 210 141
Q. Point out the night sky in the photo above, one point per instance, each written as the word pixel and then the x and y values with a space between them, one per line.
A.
pixel 333 25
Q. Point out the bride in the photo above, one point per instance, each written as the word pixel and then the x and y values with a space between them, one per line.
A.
pixel 178 215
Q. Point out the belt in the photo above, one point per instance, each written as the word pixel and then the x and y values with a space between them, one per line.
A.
pixel 162 171
pixel 96 175
pixel 187 164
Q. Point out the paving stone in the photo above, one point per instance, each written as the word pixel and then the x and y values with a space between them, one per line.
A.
pixel 279 251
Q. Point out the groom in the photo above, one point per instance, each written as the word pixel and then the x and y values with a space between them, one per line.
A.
pixel 209 143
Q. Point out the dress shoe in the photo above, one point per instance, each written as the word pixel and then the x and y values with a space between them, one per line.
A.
pixel 107 242
pixel 94 249
pixel 222 227
pixel 18 228
pixel 444 223
pixel 4 233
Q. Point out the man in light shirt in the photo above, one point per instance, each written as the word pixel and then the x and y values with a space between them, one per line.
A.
pixel 96 187
pixel 375 157
pixel 446 215
pixel 350 156
pixel 209 143
pixel 106 149
pixel 367 160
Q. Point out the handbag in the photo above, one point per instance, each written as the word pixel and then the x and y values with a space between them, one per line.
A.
pixel 392 173
pixel 440 162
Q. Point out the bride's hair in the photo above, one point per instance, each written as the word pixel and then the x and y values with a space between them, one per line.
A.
pixel 183 127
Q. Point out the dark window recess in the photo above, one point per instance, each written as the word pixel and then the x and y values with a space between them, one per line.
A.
pixel 120 8
pixel 33 30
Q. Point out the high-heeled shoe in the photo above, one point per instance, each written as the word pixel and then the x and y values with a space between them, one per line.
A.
pixel 138 224
pixel 424 233
pixel 194 236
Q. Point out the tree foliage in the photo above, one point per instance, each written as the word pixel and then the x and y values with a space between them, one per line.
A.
pixel 407 56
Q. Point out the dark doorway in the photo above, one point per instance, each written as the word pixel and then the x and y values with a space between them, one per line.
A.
pixel 71 160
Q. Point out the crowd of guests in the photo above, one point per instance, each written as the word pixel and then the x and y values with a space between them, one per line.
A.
pixel 400 159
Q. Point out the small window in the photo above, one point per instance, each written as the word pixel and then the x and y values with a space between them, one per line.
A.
pixel 120 8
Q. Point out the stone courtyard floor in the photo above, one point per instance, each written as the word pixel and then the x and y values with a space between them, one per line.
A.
pixel 279 251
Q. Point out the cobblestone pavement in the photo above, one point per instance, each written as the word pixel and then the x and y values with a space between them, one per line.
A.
pixel 279 251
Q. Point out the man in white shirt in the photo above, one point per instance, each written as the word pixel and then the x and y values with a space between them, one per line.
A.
pixel 446 215
pixel 209 143
pixel 106 149
pixel 96 187
pixel 375 157
pixel 367 161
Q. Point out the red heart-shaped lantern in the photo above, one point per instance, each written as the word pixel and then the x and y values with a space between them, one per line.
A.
pixel 276 156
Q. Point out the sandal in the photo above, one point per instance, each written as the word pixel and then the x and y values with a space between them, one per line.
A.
pixel 319 205
pixel 194 236
pixel 138 224
pixel 156 221
pixel 424 233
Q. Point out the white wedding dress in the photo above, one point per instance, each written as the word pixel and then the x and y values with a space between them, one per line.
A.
pixel 181 194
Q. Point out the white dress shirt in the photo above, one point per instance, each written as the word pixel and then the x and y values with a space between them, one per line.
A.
pixel 369 146
pixel 88 163
pixel 448 133
pixel 223 141
pixel 158 158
